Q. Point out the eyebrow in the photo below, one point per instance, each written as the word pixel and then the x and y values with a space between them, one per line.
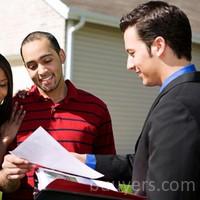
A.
pixel 31 61
pixel 46 55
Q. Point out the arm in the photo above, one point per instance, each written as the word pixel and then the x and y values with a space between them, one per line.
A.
pixel 9 129
pixel 116 168
pixel 7 185
pixel 13 170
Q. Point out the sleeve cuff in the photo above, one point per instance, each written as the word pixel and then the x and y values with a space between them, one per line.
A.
pixel 91 161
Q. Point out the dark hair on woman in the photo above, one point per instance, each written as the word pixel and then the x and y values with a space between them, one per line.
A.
pixel 37 35
pixel 158 18
pixel 6 107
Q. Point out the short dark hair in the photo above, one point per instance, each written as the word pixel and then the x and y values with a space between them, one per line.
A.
pixel 6 107
pixel 37 35
pixel 158 18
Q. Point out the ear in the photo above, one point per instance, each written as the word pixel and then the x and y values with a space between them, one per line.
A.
pixel 62 55
pixel 158 46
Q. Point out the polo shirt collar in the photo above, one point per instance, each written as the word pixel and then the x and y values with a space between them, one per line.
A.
pixel 72 91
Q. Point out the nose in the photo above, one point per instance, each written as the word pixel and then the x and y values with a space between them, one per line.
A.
pixel 130 64
pixel 42 70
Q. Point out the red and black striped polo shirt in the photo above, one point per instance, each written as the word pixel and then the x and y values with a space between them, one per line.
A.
pixel 81 122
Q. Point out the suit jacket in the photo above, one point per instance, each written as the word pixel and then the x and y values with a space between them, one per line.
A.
pixel 167 154
pixel 117 168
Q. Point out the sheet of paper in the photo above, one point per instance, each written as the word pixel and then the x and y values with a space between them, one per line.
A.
pixel 42 149
pixel 46 176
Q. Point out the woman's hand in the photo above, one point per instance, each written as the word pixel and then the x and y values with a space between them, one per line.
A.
pixel 9 129
pixel 14 167
pixel 13 170
pixel 22 94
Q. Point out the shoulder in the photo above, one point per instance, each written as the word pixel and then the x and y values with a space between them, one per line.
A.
pixel 84 96
pixel 25 94
pixel 87 96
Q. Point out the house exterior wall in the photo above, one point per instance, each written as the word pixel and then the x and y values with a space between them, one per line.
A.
pixel 99 64
pixel 21 17
pixel 118 8
pixel 196 55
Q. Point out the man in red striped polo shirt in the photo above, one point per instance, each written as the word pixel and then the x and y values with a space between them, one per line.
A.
pixel 78 120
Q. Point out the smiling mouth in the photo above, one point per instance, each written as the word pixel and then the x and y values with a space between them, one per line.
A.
pixel 46 80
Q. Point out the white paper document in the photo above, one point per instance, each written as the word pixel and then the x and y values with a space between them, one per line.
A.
pixel 42 149
pixel 46 176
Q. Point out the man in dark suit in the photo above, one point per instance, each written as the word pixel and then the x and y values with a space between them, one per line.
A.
pixel 166 163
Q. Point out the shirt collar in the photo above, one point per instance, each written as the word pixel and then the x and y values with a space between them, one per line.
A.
pixel 72 91
pixel 187 69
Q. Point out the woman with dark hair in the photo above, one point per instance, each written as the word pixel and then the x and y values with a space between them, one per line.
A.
pixel 6 89
pixel 10 116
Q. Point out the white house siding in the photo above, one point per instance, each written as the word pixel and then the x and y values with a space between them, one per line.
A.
pixel 196 55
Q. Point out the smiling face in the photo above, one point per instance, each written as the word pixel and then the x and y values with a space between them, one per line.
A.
pixel 3 85
pixel 44 65
pixel 139 60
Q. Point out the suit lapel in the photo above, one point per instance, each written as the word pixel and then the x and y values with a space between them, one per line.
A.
pixel 189 77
